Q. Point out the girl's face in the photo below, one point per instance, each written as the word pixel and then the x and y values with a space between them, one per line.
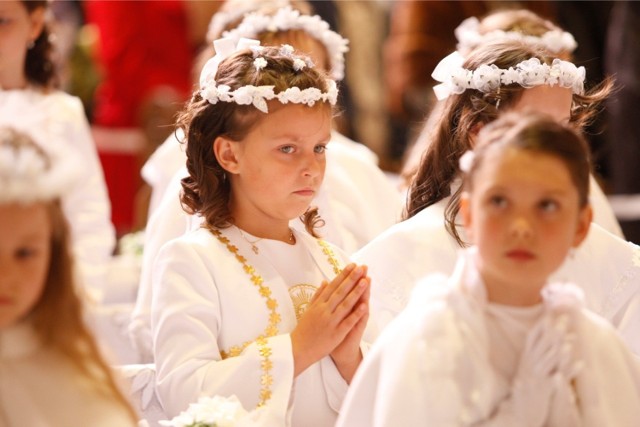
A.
pixel 277 169
pixel 18 28
pixel 524 216
pixel 25 252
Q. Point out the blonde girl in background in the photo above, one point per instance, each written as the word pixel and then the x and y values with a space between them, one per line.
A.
pixel 497 343
pixel 248 305
pixel 51 372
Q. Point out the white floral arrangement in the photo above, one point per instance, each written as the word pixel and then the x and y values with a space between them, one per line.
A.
pixel 216 411
pixel 288 18
pixel 259 95
pixel 529 73
pixel 469 37
pixel 29 174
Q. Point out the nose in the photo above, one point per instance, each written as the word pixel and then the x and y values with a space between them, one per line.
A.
pixel 521 227
pixel 314 165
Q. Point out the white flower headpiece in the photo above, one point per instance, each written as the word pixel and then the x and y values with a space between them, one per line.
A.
pixel 28 174
pixel 258 95
pixel 287 18
pixel 455 79
pixel 469 37
pixel 466 161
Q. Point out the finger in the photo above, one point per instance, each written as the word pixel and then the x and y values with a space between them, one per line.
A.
pixel 337 281
pixel 344 288
pixel 350 321
pixel 352 299
pixel 319 292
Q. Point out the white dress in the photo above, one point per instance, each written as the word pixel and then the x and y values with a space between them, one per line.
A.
pixel 40 388
pixel 219 331
pixel 356 200
pixel 449 360
pixel 59 118
pixel 606 267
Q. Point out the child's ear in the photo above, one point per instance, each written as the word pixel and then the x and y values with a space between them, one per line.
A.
pixel 37 18
pixel 225 151
pixel 584 223
pixel 465 214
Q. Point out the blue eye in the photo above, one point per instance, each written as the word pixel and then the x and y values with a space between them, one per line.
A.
pixel 319 149
pixel 287 149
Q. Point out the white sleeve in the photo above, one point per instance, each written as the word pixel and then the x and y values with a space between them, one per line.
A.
pixel 405 380
pixel 87 205
pixel 166 223
pixel 186 323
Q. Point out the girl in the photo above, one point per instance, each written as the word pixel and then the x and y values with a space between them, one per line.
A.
pixel 236 309
pixel 51 372
pixel 495 345
pixel 604 266
pixel 28 99
pixel 356 200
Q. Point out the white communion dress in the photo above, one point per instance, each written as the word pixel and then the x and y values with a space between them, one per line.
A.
pixel 450 358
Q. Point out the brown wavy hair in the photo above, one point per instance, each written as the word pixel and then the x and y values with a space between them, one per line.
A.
pixel 462 115
pixel 536 133
pixel 206 191
pixel 39 67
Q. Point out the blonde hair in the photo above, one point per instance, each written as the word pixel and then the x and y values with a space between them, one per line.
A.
pixel 57 317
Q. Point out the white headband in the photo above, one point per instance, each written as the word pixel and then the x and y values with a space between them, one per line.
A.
pixel 286 19
pixel 454 79
pixel 259 95
pixel 28 175
pixel 469 37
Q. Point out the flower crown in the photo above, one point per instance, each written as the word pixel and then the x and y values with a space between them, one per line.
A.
pixel 454 79
pixel 469 37
pixel 259 95
pixel 287 18
pixel 28 174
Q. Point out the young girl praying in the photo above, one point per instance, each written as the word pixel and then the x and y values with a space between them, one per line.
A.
pixel 51 372
pixel 246 305
pixel 496 344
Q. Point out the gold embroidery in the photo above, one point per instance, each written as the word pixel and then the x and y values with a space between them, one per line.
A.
pixel 300 297
pixel 266 379
pixel 332 258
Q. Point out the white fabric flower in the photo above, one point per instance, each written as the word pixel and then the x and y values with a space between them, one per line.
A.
pixel 299 64
pixel 287 50
pixel 486 78
pixel 259 63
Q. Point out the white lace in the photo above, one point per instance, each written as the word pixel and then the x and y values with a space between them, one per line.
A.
pixel 258 95
pixel 530 73
pixel 286 19
pixel 469 37
pixel 27 176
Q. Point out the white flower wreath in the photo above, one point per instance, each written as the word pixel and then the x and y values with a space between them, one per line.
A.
pixel 454 79
pixel 29 175
pixel 469 37
pixel 287 18
pixel 258 95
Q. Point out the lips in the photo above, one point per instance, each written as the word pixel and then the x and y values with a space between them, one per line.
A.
pixel 307 192
pixel 520 255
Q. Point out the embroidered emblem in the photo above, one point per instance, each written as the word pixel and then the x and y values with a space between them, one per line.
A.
pixel 300 297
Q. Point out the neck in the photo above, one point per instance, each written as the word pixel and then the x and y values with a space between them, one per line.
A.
pixel 11 82
pixel 512 293
pixel 280 232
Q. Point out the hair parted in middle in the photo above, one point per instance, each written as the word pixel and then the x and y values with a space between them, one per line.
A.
pixel 461 115
pixel 207 190
pixel 535 133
